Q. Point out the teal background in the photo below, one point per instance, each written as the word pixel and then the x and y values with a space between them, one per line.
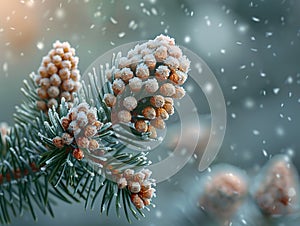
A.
pixel 252 47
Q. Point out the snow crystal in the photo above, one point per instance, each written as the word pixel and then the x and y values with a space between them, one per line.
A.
pixel 255 19
pixel 187 39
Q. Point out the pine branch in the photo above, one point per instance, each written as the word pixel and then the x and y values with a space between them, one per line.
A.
pixel 69 178
pixel 22 185
pixel 67 142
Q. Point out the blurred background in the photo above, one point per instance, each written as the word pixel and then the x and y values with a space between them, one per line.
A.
pixel 252 47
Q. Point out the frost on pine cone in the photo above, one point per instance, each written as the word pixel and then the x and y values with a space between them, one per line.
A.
pixel 276 188
pixel 76 147
pixel 80 126
pixel 80 136
pixel 57 77
pixel 145 82
pixel 139 184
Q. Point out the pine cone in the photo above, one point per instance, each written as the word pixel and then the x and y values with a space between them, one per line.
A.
pixel 58 76
pixel 146 81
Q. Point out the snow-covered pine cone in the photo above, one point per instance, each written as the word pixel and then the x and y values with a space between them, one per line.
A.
pixel 139 184
pixel 145 82
pixel 224 191
pixel 58 76
pixel 80 125
pixel 277 190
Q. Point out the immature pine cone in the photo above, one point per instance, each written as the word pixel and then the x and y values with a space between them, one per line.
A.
pixel 80 125
pixel 147 80
pixel 58 76
pixel 224 193
pixel 277 192
pixel 139 184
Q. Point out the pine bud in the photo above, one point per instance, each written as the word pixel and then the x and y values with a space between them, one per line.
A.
pixel 161 53
pixel 78 154
pixel 83 107
pixel 82 120
pixel 135 187
pixel 151 85
pixel 118 86
pixel 169 100
pixel 138 177
pixel 66 95
pixel 65 122
pixel 110 99
pixel 58 142
pixel 67 138
pixel 153 132
pixel 179 92
pixel 66 64
pixel 68 85
pixel 158 123
pixel 45 83
pixel 90 131
pixel 97 124
pixel 141 126
pixel 157 101
pixel 43 72
pixel 93 145
pixel 52 102
pixel 75 75
pixel 41 105
pixel 172 62
pixel 124 116
pixel 146 185
pixel 126 74
pixel 167 89
pixel 137 201
pixel 51 69
pixel 122 183
pixel 53 92
pixel 150 61
pixel 149 112
pixel 128 174
pixel 55 80
pixel 42 93
pixel 82 142
pixel 91 116
pixel 146 202
pixel 64 74
pixel 130 103
pixel 169 108
pixel 54 72
pixel 142 71
pixel 135 84
pixel 161 112
pixel 148 194
pixel 162 72
pixel 56 59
